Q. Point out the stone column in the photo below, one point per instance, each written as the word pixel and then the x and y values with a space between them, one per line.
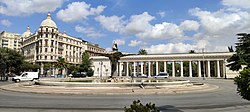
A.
pixel 208 69
pixel 165 66
pixel 149 69
pixel 127 69
pixel 134 73
pixel 120 68
pixel 218 68
pixel 142 65
pixel 181 68
pixel 173 69
pixel 41 69
pixel 157 68
pixel 190 69
pixel 199 68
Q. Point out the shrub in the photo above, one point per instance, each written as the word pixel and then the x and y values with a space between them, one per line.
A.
pixel 137 106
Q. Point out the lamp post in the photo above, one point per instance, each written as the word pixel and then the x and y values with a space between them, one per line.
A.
pixel 225 69
pixel 101 63
pixel 203 64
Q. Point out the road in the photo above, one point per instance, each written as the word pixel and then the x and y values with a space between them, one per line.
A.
pixel 224 99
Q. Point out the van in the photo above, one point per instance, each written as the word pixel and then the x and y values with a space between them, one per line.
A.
pixel 26 76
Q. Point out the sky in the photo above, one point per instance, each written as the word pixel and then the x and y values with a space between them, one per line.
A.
pixel 158 26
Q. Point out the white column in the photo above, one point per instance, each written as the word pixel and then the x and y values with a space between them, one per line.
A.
pixel 127 69
pixel 218 68
pixel 181 69
pixel 190 68
pixel 134 73
pixel 157 68
pixel 41 69
pixel 165 66
pixel 199 68
pixel 208 69
pixel 142 65
pixel 149 69
pixel 173 69
pixel 120 69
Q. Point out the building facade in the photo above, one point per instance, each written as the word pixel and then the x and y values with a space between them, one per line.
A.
pixel 47 44
pixel 210 64
pixel 11 40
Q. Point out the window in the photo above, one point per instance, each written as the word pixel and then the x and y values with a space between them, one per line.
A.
pixel 45 57
pixel 46 49
pixel 46 43
pixel 52 43
pixel 46 29
pixel 52 50
pixel 51 57
pixel 46 35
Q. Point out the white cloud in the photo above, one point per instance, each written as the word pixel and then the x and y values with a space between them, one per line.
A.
pixel 134 43
pixel 112 23
pixel 139 23
pixel 184 47
pixel 28 7
pixel 190 25
pixel 237 3
pixel 220 27
pixel 88 31
pixel 120 41
pixel 5 22
pixel 161 13
pixel 78 11
pixel 162 31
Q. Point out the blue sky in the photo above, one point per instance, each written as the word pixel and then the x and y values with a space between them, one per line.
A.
pixel 159 26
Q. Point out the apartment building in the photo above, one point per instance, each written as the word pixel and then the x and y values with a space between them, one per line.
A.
pixel 10 40
pixel 47 44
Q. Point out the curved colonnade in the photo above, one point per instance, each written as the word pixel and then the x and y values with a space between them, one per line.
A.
pixel 209 64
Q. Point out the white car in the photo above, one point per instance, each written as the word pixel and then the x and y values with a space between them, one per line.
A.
pixel 162 75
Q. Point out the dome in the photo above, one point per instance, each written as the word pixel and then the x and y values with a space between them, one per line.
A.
pixel 48 22
pixel 27 33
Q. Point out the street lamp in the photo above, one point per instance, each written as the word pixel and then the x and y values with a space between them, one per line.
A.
pixel 225 69
pixel 203 64
pixel 101 63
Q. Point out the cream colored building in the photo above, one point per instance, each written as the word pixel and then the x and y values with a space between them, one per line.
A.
pixel 209 64
pixel 47 44
pixel 10 40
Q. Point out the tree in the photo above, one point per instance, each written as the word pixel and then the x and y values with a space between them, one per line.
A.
pixel 10 61
pixel 239 60
pixel 142 52
pixel 61 64
pixel 137 106
pixel 192 51
pixel 86 65
pixel 243 83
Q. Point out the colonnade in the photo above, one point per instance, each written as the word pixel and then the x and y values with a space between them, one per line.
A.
pixel 128 68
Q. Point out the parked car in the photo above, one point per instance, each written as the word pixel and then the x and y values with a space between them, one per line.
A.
pixel 162 75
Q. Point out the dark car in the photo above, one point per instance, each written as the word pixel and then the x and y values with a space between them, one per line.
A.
pixel 162 75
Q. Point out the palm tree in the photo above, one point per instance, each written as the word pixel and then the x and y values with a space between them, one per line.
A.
pixel 61 64
pixel 142 52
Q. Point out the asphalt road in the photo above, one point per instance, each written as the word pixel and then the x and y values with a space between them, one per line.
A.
pixel 224 99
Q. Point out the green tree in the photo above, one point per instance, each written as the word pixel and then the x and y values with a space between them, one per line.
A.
pixel 61 64
pixel 236 62
pixel 243 83
pixel 86 65
pixel 10 61
pixel 192 51
pixel 137 106
pixel 142 52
